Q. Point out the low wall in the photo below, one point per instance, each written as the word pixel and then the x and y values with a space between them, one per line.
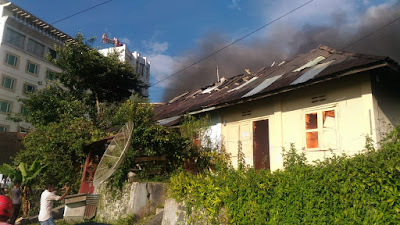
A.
pixel 174 213
pixel 135 198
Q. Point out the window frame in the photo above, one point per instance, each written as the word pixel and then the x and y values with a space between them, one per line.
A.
pixel 49 52
pixel 322 146
pixel 48 71
pixel 9 106
pixel 141 69
pixel 6 127
pixel 21 110
pixel 11 78
pixel 6 60
pixel 37 68
pixel 12 38
pixel 24 92
pixel 22 129
pixel 32 51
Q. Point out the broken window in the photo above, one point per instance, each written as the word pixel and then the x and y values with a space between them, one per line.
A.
pixel 321 129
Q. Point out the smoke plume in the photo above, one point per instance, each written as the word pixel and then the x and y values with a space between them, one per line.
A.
pixel 284 41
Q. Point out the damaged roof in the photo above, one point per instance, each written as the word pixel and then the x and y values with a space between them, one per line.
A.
pixel 320 64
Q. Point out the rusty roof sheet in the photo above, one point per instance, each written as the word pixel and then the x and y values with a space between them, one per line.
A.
pixel 317 65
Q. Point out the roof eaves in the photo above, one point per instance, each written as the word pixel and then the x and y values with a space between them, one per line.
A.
pixel 19 12
pixel 295 87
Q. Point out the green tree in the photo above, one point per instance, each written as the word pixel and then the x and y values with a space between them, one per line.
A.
pixel 51 104
pixel 59 145
pixel 85 70
pixel 148 138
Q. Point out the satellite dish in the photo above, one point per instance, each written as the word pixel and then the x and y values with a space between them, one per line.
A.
pixel 114 154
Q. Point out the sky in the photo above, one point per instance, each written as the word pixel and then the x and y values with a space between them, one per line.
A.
pixel 176 33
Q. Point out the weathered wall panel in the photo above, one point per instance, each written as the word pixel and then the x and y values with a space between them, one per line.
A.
pixel 349 100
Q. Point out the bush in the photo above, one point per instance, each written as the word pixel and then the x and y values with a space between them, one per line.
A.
pixel 148 139
pixel 363 189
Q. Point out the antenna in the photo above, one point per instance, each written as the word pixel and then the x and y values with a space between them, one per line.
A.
pixel 114 41
pixel 217 75
pixel 114 154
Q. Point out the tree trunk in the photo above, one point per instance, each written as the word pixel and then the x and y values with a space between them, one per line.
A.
pixel 26 203
pixel 98 106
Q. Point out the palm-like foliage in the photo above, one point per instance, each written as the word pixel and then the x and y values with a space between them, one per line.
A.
pixel 23 173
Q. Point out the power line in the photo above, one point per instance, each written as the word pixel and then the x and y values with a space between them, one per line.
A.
pixel 80 12
pixel 234 42
pixel 370 34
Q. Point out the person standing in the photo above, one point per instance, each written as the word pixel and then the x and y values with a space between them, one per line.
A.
pixel 46 204
pixel 16 197
pixel 6 209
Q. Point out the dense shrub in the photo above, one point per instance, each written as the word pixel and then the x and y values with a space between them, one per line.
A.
pixel 148 139
pixel 362 189
pixel 60 146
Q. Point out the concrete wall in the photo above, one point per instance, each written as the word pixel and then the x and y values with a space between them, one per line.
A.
pixel 386 102
pixel 174 213
pixel 351 98
pixel 213 134
pixel 136 198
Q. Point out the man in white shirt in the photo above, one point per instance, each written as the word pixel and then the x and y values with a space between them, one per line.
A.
pixel 46 204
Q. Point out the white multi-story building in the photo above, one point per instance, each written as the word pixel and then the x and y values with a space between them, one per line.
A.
pixel 25 40
pixel 141 64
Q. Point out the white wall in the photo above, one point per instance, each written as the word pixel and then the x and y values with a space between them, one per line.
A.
pixel 135 60
pixel 386 102
pixel 351 98
pixel 214 131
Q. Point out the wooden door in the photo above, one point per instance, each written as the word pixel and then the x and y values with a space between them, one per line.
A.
pixel 261 157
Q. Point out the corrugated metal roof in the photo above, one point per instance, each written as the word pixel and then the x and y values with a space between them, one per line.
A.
pixel 310 64
pixel 311 73
pixel 262 86
pixel 317 65
pixel 244 84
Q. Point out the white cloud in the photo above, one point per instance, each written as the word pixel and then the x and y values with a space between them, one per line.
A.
pixel 376 12
pixel 162 66
pixel 125 40
pixel 154 47
pixel 235 5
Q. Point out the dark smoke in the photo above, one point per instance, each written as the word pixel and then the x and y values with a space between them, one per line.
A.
pixel 284 42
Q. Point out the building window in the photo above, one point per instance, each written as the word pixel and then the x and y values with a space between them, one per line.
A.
pixel 3 128
pixel 32 68
pixel 5 106
pixel 50 75
pixel 35 48
pixel 141 68
pixel 24 111
pixel 11 60
pixel 29 88
pixel 14 38
pixel 321 129
pixel 23 129
pixel 8 83
pixel 53 54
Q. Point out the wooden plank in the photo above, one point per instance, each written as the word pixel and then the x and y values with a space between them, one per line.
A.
pixel 75 199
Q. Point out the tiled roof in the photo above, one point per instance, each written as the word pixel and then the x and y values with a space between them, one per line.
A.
pixel 317 65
